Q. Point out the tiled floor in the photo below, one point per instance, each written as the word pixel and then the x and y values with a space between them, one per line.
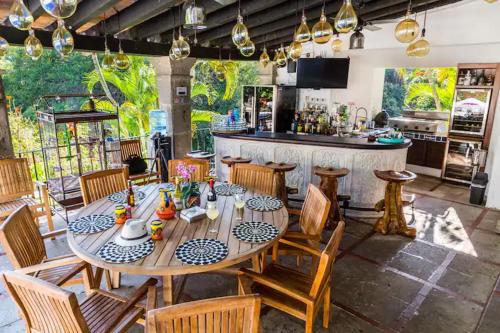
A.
pixel 447 280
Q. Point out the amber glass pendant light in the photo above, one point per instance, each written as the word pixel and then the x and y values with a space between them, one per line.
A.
pixel 281 58
pixel 407 30
pixel 20 17
pixel 122 61
pixel 295 50
pixel 182 49
pixel 303 34
pixel 240 31
pixel 322 31
pixel 220 69
pixel 59 8
pixel 346 19
pixel 491 1
pixel 336 44
pixel 4 46
pixel 108 59
pixel 247 49
pixel 33 46
pixel 264 57
pixel 421 47
pixel 62 40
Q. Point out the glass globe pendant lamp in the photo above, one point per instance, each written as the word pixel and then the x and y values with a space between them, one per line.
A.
pixel 421 47
pixel 407 30
pixel 264 58
pixel 346 19
pixel 20 17
pixel 247 49
pixel 62 40
pixel 59 8
pixel 108 60
pixel 336 44
pixel 122 61
pixel 281 58
pixel 220 71
pixel 491 1
pixel 182 49
pixel 240 32
pixel 171 53
pixel 4 46
pixel 194 16
pixel 295 50
pixel 33 46
pixel 302 34
pixel 322 31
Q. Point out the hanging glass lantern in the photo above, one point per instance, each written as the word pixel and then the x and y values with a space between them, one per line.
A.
pixel 33 46
pixel 108 60
pixel 302 34
pixel 407 30
pixel 20 17
pixel 62 40
pixel 182 48
pixel 357 41
pixel 239 33
pixel 220 71
pixel 59 8
pixel 322 31
pixel 295 50
pixel 419 48
pixel 346 19
pixel 281 58
pixel 247 49
pixel 171 53
pixel 264 58
pixel 194 16
pixel 122 61
pixel 337 44
pixel 491 1
pixel 4 46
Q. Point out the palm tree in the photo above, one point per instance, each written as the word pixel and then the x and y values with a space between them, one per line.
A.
pixel 140 94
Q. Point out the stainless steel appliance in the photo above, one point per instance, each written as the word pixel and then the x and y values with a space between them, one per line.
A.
pixel 470 111
pixel 463 157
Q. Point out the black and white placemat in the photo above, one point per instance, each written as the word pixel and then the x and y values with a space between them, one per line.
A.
pixel 168 186
pixel 264 203
pixel 201 251
pixel 255 232
pixel 116 254
pixel 229 189
pixel 121 197
pixel 91 224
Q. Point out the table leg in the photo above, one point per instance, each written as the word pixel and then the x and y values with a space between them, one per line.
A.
pixel 281 187
pixel 259 262
pixel 115 279
pixel 168 290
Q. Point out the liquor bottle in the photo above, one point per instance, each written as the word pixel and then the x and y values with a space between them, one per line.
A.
pixel 473 80
pixel 467 79
pixel 294 124
pixel 482 78
pixel 178 195
pixel 300 127
pixel 130 195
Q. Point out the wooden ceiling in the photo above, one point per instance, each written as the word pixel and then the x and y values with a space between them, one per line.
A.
pixel 147 25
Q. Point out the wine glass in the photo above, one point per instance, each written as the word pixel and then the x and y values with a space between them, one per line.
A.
pixel 212 214
pixel 239 203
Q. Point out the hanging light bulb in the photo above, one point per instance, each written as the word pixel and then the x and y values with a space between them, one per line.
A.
pixel 59 8
pixel 4 46
pixel 346 19
pixel 62 40
pixel 108 60
pixel 247 49
pixel 421 47
pixel 264 58
pixel 407 30
pixel 322 31
pixel 122 61
pixel 171 53
pixel 240 32
pixel 182 49
pixel 295 50
pixel 33 46
pixel 281 58
pixel 337 44
pixel 302 34
pixel 194 16
pixel 20 16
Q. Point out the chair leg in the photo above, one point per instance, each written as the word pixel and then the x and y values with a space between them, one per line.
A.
pixel 46 208
pixel 115 279
pixel 88 279
pixel 107 275
pixel 326 308
pixel 309 319
pixel 275 253
pixel 98 276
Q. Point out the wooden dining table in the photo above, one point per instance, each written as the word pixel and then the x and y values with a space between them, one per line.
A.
pixel 162 261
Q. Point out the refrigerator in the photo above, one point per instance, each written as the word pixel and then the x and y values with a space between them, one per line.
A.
pixel 268 108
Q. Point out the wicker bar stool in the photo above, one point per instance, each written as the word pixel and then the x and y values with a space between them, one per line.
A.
pixel 329 185
pixel 230 161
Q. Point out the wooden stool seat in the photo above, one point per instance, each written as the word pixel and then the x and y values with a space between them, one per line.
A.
pixel 280 169
pixel 393 221
pixel 328 185
pixel 231 161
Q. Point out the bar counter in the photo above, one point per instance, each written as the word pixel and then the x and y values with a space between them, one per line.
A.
pixel 356 154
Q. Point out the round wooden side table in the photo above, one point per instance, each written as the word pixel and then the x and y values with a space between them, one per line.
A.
pixel 394 221
pixel 280 169
pixel 230 161
pixel 328 185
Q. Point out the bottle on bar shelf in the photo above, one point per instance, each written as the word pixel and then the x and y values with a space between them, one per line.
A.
pixel 130 195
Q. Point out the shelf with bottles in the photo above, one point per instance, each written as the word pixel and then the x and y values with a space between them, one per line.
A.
pixel 476 78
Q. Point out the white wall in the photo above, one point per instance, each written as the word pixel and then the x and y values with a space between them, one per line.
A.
pixel 466 32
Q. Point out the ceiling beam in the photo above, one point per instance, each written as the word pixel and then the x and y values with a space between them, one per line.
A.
pixel 88 10
pixel 35 8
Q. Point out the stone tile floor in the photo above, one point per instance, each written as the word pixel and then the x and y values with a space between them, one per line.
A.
pixel 447 280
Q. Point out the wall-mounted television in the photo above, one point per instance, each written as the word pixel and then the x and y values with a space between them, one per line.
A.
pixel 317 73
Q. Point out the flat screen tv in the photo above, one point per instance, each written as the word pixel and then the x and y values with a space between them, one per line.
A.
pixel 319 73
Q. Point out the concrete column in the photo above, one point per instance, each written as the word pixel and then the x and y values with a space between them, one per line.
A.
pixel 6 149
pixel 267 75
pixel 171 77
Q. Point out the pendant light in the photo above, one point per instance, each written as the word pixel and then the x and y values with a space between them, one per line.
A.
pixel 194 16
pixel 182 49
pixel 281 58
pixel 62 40
pixel 239 33
pixel 322 31
pixel 171 52
pixel 4 46
pixel 491 1
pixel 108 60
pixel 421 47
pixel 303 34
pixel 33 46
pixel 220 69
pixel 264 58
pixel 59 8
pixel 357 40
pixel 20 17
pixel 336 44
pixel 247 49
pixel 346 19
pixel 407 30
pixel 122 61
pixel 295 50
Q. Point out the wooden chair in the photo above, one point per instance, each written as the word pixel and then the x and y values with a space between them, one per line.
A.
pixel 225 315
pixel 255 177
pixel 293 292
pixel 98 184
pixel 47 308
pixel 133 147
pixel 201 173
pixel 25 248
pixel 312 220
pixel 17 189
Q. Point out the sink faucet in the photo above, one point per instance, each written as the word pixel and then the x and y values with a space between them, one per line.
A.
pixel 356 117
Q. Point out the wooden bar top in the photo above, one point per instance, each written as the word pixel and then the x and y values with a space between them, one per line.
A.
pixel 315 140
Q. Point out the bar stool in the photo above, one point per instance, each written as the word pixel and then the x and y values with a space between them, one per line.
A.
pixel 394 221
pixel 328 185
pixel 230 161
pixel 280 169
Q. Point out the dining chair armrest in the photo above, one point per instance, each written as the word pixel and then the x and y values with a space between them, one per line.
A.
pixel 301 246
pixel 300 235
pixel 294 211
pixel 278 286
pixel 124 308
pixel 54 233
pixel 50 264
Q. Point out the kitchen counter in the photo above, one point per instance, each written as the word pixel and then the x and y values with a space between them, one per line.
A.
pixel 306 151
